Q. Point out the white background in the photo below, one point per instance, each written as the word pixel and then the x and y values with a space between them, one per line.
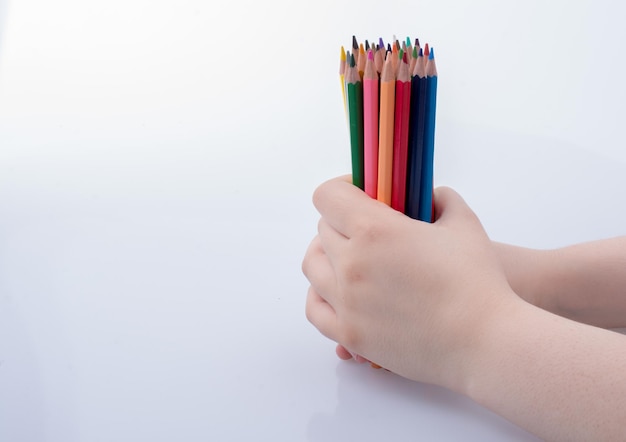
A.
pixel 156 165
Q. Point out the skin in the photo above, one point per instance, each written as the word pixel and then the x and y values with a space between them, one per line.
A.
pixel 441 303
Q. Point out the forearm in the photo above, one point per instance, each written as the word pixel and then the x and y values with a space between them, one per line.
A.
pixel 559 379
pixel 585 282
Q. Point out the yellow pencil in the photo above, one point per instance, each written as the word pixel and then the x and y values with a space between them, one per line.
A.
pixel 342 78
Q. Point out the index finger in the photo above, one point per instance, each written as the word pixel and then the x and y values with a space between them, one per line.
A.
pixel 344 206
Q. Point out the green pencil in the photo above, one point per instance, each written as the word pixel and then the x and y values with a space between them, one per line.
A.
pixel 354 95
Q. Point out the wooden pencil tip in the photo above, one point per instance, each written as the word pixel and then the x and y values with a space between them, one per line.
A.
pixel 355 44
pixel 431 55
pixel 426 50
pixel 352 62
pixel 370 55
pixel 381 43
pixel 343 54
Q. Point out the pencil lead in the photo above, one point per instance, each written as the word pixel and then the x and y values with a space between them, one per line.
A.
pixel 414 54
pixel 352 62
pixel 355 44
pixel 367 46
pixel 426 51
pixel 381 43
pixel 421 54
pixel 388 47
pixel 408 42
pixel 370 55
pixel 417 42
pixel 398 47
pixel 343 54
pixel 431 55
pixel 400 54
pixel 404 58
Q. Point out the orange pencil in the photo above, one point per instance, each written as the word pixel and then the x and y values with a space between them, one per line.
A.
pixel 362 59
pixel 370 126
pixel 385 131
pixel 394 58
pixel 401 136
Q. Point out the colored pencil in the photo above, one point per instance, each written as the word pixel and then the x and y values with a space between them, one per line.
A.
pixel 362 59
pixel 370 126
pixel 389 95
pixel 416 138
pixel 354 94
pixel 342 79
pixel 401 135
pixel 379 59
pixel 355 48
pixel 426 197
pixel 385 131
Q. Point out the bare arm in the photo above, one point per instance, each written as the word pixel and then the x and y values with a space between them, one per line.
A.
pixel 560 379
pixel 584 282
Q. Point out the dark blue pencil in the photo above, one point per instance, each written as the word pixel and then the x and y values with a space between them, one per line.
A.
pixel 416 138
pixel 426 187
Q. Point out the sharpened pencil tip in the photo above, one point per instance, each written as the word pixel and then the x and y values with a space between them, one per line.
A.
pixel 355 44
pixel 352 62
pixel 431 55
pixel 381 43
pixel 370 55
pixel 343 54
pixel 426 50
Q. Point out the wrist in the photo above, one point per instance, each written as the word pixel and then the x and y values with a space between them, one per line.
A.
pixel 530 274
pixel 494 343
pixel 479 335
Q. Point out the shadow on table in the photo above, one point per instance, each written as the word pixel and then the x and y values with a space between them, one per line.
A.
pixel 378 405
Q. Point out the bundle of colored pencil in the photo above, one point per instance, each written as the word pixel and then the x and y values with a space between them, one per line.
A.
pixel 390 96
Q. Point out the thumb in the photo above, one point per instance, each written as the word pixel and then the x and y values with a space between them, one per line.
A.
pixel 449 206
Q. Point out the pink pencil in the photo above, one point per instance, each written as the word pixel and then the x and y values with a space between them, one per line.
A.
pixel 370 126
pixel 401 136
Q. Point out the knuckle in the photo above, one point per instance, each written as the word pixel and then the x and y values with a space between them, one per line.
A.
pixel 349 336
pixel 370 231
pixel 352 272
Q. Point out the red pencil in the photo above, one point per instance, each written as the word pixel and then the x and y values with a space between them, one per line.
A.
pixel 401 135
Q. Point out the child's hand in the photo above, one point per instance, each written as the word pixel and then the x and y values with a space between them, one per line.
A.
pixel 408 295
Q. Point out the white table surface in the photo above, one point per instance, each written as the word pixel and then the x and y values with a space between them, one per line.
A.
pixel 156 165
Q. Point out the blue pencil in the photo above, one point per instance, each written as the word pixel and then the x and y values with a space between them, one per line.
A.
pixel 426 187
